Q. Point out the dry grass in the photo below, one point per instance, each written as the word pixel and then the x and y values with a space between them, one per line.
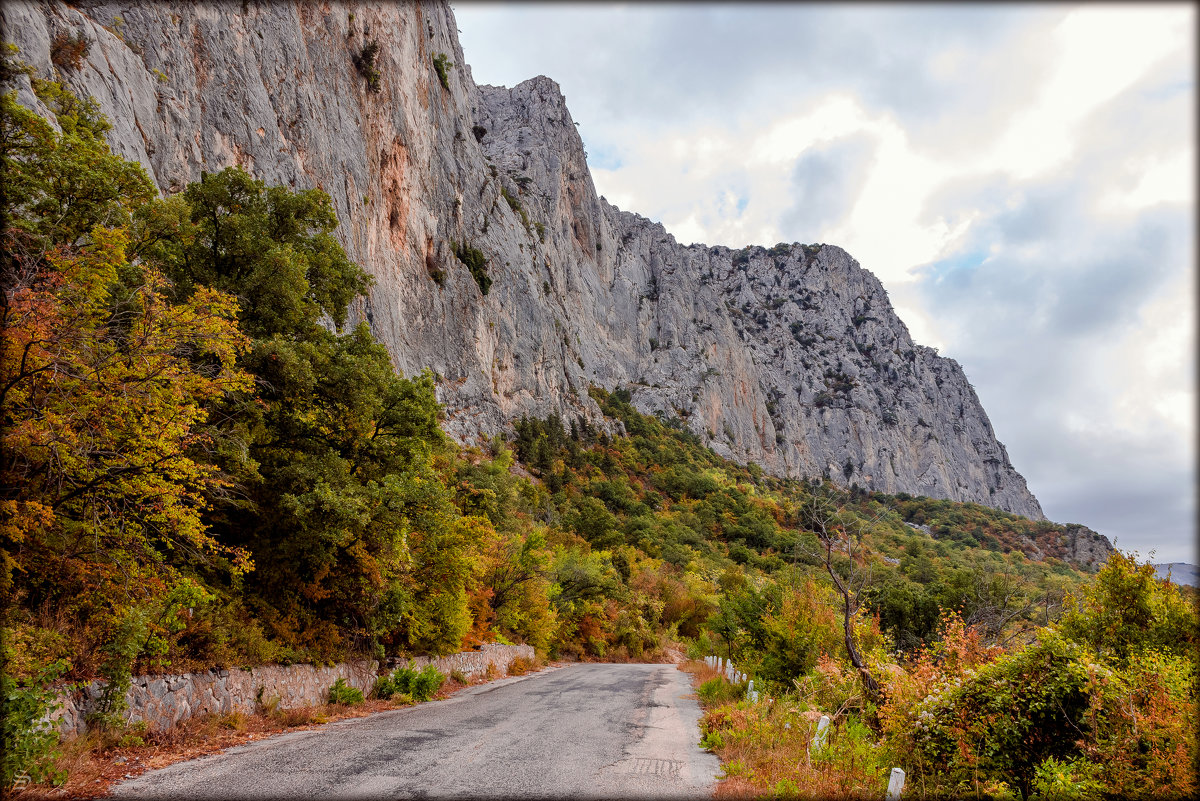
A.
pixel 765 750
pixel 520 666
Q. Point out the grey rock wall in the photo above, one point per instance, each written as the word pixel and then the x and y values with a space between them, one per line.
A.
pixel 791 357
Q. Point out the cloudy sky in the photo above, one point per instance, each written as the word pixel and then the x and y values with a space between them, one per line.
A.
pixel 1020 177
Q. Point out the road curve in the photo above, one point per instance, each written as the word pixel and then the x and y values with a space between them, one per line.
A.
pixel 586 731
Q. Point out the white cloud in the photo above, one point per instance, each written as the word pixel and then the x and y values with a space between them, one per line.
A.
pixel 1157 391
pixel 1155 179
pixel 1101 51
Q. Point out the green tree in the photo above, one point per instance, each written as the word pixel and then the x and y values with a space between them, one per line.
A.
pixel 1127 609
pixel 272 248
pixel 355 534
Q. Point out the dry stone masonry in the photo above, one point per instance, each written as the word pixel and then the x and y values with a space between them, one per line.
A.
pixel 788 356
pixel 164 701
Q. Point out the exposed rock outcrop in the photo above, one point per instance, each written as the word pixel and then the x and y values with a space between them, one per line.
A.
pixel 1085 548
pixel 790 357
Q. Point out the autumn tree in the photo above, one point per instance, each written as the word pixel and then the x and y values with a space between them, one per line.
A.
pixel 104 384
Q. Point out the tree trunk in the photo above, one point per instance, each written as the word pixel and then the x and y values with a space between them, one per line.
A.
pixel 870 686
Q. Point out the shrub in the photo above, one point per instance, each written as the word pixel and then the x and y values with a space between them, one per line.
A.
pixel 269 705
pixel 435 270
pixel 134 735
pixel 476 262
pixel 441 63
pixel 515 205
pixel 1003 720
pixel 718 691
pixel 479 131
pixel 68 50
pixel 419 685
pixel 364 62
pixel 383 687
pixel 30 745
pixel 426 683
pixel 342 693
pixel 699 647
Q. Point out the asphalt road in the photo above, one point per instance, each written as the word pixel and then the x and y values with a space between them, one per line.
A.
pixel 584 731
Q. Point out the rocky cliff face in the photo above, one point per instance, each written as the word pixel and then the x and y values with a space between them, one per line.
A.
pixel 790 357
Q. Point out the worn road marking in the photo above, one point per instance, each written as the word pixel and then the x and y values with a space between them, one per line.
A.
pixel 657 767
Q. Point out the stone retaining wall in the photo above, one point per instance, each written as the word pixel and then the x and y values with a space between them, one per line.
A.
pixel 473 663
pixel 163 701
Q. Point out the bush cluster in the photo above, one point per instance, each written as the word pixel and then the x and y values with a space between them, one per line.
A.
pixel 476 262
pixel 67 50
pixel 442 64
pixel 419 685
pixel 342 693
pixel 364 62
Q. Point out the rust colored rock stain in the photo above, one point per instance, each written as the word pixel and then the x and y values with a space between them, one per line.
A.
pixel 393 168
pixel 199 61
pixel 580 230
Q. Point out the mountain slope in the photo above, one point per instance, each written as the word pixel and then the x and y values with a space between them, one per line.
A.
pixel 790 357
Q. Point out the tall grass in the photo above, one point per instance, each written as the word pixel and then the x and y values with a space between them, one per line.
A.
pixel 766 748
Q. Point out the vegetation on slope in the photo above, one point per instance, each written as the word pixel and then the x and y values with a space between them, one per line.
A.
pixel 204 468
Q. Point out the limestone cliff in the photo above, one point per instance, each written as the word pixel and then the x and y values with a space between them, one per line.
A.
pixel 790 357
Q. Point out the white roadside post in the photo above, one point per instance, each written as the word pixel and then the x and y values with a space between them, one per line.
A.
pixel 895 785
pixel 818 740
